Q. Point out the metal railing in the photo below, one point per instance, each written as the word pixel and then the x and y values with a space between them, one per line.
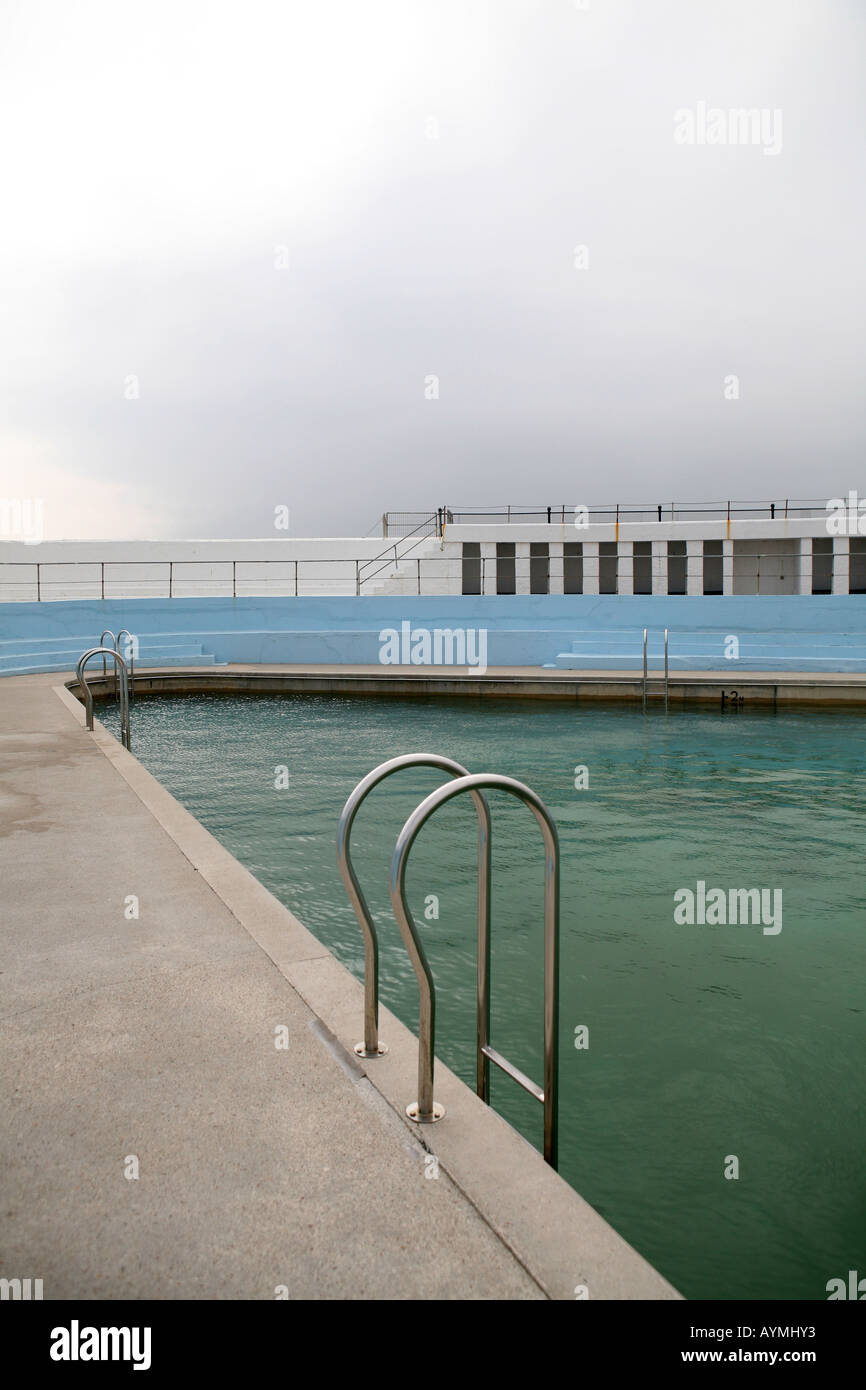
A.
pixel 428 526
pixel 561 513
pixel 123 690
pixel 372 1046
pixel 426 1110
pixel 338 576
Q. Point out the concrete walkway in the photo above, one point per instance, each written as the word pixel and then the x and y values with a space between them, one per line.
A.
pixel 148 1045
pixel 769 689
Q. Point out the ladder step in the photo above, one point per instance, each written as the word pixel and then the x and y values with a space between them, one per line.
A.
pixel 516 1075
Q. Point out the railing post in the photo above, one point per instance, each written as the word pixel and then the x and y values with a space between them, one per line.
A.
pixel 385 525
pixel 234 578
pixel 357 578
pixel 38 584
pixel 418 563
pixel 170 577
pixel 102 580
pixel 296 579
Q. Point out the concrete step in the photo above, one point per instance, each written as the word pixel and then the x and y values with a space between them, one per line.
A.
pixel 761 661
pixel 31 658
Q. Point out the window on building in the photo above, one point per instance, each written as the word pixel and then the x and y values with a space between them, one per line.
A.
pixel 642 553
pixel 572 567
pixel 471 567
pixel 714 582
pixel 506 569
pixel 822 565
pixel 607 567
pixel 676 567
pixel 857 566
pixel 539 567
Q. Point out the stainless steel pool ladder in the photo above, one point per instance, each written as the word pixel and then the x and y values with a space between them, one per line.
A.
pixel 124 688
pixel 426 1110
pixel 645 668
pixel 128 656
pixel 112 645
pixel 372 1045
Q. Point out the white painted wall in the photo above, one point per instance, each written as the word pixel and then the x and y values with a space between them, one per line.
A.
pixel 329 566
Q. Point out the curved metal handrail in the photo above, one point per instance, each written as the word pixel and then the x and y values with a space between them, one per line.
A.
pixel 129 658
pixel 424 1109
pixel 108 633
pixel 124 689
pixel 372 1046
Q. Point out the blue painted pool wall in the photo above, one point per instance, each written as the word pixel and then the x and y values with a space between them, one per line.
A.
pixel 523 630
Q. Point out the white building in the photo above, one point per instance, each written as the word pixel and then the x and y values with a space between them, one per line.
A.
pixel 737 549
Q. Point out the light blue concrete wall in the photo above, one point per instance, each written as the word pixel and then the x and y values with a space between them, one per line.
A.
pixel 525 630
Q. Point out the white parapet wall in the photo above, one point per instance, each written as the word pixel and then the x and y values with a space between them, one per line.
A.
pixel 200 568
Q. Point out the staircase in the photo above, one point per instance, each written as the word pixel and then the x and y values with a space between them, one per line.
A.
pixel 622 650
pixel 30 657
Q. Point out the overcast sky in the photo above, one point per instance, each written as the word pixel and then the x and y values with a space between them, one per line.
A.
pixel 236 241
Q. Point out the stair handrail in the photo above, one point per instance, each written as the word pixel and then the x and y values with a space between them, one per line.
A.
pixel 385 554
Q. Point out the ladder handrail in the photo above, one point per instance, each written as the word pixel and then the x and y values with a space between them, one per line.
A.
pixel 106 632
pixel 124 689
pixel 372 1045
pixel 425 1110
pixel 129 658
pixel 666 670
pixel 645 667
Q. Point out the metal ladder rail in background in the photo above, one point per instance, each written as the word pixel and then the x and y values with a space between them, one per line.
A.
pixel 128 656
pixel 124 689
pixel 113 646
pixel 425 1110
pixel 645 668
pixel 372 1046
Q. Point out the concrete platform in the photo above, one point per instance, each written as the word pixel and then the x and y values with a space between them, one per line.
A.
pixel 148 1043
pixel 766 688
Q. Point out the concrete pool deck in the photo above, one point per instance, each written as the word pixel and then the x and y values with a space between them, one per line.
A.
pixel 148 1043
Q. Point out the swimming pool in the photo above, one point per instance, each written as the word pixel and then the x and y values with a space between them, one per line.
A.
pixel 706 1043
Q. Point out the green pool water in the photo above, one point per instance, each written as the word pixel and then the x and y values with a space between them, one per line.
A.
pixel 705 1042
